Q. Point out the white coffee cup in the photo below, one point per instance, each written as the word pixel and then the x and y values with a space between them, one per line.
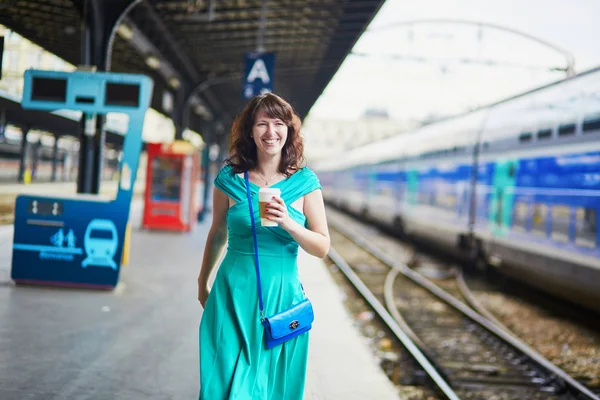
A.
pixel 265 195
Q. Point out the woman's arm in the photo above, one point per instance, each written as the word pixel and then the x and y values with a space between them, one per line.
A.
pixel 315 240
pixel 216 239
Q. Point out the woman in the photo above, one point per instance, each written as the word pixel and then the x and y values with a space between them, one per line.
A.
pixel 234 362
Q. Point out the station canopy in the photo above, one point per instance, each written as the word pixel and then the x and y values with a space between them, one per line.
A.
pixel 182 44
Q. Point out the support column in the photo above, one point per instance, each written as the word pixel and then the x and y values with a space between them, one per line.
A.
pixel 54 158
pixel 23 154
pixel 67 161
pixel 205 178
pixel 99 143
pixel 206 165
pixel 86 144
pixel 222 140
pixel 179 110
pixel 98 17
pixel 35 157
pixel 3 124
pixel 85 166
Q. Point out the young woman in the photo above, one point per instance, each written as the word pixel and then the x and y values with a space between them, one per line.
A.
pixel 234 362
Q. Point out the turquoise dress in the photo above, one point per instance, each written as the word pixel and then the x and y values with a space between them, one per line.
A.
pixel 234 362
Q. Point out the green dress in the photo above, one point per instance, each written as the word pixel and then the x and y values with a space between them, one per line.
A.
pixel 234 362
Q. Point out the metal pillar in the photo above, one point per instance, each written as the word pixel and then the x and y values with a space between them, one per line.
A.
pixel 98 17
pixel 23 154
pixel 210 139
pixel 66 157
pixel 86 150
pixel 205 178
pixel 3 124
pixel 85 166
pixel 35 157
pixel 54 158
pixel 99 143
pixel 180 109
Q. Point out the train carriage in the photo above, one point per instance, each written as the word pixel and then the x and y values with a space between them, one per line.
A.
pixel 516 183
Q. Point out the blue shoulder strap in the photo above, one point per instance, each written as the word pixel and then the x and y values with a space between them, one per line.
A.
pixel 260 297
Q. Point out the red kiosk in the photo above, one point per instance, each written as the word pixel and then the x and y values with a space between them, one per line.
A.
pixel 172 198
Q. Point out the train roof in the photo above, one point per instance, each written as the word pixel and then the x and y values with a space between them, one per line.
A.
pixel 561 102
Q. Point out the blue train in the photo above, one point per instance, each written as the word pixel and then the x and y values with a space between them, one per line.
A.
pixel 515 185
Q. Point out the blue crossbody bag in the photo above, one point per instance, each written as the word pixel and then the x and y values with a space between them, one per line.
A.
pixel 287 324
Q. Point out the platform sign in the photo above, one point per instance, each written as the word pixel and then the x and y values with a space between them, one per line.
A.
pixel 78 241
pixel 259 71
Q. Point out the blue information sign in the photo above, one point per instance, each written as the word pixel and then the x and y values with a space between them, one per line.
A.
pixel 258 74
pixel 78 241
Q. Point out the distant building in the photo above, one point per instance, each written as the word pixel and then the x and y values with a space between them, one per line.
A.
pixel 324 137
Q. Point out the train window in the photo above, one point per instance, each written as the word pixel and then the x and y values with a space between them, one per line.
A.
pixel 101 234
pixel 586 226
pixel 538 220
pixel 544 134
pixel 519 217
pixel 567 129
pixel 525 137
pixel 561 221
pixel 591 124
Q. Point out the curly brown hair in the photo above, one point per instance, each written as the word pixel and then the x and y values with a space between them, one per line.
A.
pixel 242 149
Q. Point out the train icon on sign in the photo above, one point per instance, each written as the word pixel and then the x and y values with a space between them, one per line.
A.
pixel 101 242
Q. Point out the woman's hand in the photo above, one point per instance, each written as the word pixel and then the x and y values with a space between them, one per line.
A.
pixel 202 294
pixel 277 211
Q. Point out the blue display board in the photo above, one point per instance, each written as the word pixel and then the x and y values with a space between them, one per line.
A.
pixel 78 241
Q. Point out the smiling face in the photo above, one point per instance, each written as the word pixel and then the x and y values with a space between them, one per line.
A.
pixel 267 129
pixel 269 134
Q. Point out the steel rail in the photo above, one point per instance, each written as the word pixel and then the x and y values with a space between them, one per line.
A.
pixel 388 294
pixel 466 292
pixel 467 311
pixel 393 325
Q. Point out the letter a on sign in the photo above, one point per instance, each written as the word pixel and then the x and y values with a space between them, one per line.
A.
pixel 259 71
pixel 258 74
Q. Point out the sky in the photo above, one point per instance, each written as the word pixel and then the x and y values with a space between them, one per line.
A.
pixel 383 73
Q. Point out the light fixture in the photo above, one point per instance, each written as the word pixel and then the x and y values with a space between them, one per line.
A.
pixel 200 109
pixel 167 101
pixel 153 62
pixel 174 82
pixel 111 154
pixel 125 31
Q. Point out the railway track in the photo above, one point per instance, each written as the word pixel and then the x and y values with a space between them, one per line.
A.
pixel 465 354
pixel 563 333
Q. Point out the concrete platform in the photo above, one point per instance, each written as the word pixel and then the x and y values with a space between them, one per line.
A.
pixel 340 364
pixel 140 341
